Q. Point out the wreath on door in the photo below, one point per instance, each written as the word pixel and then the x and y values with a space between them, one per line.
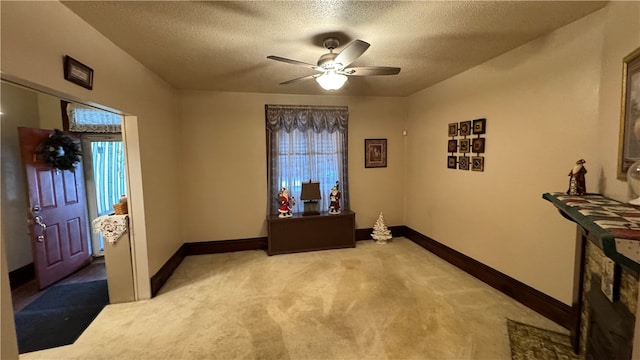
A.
pixel 60 151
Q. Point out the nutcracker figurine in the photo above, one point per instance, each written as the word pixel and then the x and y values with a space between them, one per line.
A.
pixel 334 199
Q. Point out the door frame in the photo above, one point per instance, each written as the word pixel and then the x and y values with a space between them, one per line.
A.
pixel 133 168
pixel 135 200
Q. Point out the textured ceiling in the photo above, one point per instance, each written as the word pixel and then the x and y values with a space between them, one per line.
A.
pixel 223 45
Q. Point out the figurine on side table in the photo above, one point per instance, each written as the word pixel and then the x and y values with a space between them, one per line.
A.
pixel 577 185
pixel 285 201
pixel 334 199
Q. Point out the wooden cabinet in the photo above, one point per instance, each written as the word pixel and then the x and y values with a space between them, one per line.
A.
pixel 308 233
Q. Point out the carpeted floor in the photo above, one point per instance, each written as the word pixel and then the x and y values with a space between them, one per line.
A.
pixel 60 315
pixel 532 343
pixel 393 301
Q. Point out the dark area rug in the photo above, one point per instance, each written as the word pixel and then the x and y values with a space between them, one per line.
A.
pixel 60 315
pixel 529 342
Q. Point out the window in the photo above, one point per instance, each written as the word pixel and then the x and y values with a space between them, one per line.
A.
pixel 306 143
pixel 107 161
pixel 85 119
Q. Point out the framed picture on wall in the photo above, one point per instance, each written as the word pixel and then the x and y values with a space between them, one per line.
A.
pixel 465 128
pixel 375 153
pixel 465 145
pixel 453 129
pixel 78 73
pixel 479 126
pixel 452 162
pixel 629 143
pixel 477 145
pixel 477 163
pixel 452 146
pixel 463 162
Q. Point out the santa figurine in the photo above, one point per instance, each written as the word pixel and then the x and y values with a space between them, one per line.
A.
pixel 285 202
pixel 334 200
pixel 577 184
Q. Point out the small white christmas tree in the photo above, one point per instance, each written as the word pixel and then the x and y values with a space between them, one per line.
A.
pixel 381 234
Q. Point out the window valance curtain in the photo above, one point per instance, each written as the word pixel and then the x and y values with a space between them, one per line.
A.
pixel 306 143
pixel 303 118
pixel 88 119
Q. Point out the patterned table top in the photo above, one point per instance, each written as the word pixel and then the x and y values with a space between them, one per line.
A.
pixel 615 225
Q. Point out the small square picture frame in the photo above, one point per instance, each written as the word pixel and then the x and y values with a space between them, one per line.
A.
pixel 477 163
pixel 465 145
pixel 453 129
pixel 78 73
pixel 452 162
pixel 463 162
pixel 465 128
pixel 375 153
pixel 452 145
pixel 477 145
pixel 479 126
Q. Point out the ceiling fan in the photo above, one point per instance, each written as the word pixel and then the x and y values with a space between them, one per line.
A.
pixel 333 67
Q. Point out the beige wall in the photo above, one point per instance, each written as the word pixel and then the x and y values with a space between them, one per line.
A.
pixel 20 108
pixel 49 112
pixel 541 102
pixel 621 37
pixel 34 38
pixel 223 152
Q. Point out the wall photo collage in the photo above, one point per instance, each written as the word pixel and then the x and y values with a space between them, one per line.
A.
pixel 459 143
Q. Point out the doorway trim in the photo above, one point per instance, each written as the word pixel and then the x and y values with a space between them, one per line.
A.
pixel 137 226
pixel 133 168
pixel 90 180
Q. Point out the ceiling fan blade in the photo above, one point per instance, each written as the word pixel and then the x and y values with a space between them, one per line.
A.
pixel 295 62
pixel 351 52
pixel 300 79
pixel 370 70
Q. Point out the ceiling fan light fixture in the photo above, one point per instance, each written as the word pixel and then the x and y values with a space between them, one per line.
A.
pixel 334 68
pixel 331 80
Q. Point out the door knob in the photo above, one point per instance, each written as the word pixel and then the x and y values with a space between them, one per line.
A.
pixel 39 221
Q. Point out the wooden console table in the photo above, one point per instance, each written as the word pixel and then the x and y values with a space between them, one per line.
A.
pixel 308 233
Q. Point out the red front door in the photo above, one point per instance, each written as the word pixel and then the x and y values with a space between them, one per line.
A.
pixel 57 213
